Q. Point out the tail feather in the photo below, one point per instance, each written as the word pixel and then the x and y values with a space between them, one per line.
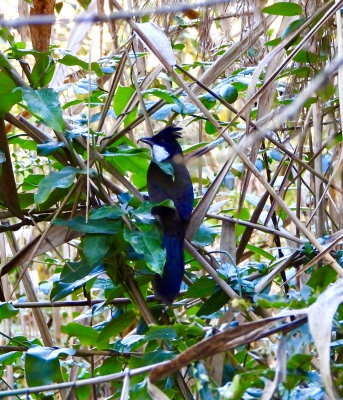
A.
pixel 167 286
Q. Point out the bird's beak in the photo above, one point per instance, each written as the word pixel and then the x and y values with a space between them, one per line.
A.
pixel 146 140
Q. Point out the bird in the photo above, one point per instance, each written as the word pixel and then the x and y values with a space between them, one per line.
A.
pixel 173 221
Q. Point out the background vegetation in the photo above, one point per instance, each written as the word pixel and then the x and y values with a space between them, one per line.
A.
pixel 256 87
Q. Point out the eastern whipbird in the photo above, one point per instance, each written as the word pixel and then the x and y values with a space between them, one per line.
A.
pixel 173 222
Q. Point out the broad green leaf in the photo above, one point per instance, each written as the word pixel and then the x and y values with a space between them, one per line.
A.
pixel 121 98
pixel 10 357
pixel 322 277
pixel 304 56
pixel 48 147
pixel 270 300
pixel 261 252
pixel 160 332
pixel 61 179
pixel 117 325
pixel 71 60
pixel 149 244
pixel 218 299
pixel 202 287
pixel 166 167
pixel 7 95
pixel 111 365
pixel 74 275
pixel 84 3
pixel 42 366
pixel 102 225
pixel 168 97
pixel 283 8
pixel 45 104
pixel 86 335
pixel 293 26
pixel 42 72
pixel 7 310
pixel 6 35
pixel 110 212
pixel 204 236
pixel 95 247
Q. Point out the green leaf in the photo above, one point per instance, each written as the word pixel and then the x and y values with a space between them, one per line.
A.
pixel 121 98
pixel 304 56
pixel 7 310
pixel 202 287
pixel 160 332
pixel 117 325
pixel 42 366
pixel 10 357
pixel 149 244
pixel 166 167
pixel 79 224
pixel 8 96
pixel 74 275
pixel 272 43
pixel 293 26
pixel 283 8
pixel 45 104
pixel 61 179
pixel 322 277
pixel 270 301
pixel 71 60
pixel 168 97
pixel 261 252
pixel 204 236
pixel 110 212
pixel 6 35
pixel 86 335
pixel 95 247
pixel 42 72
pixel 84 3
pixel 213 304
pixel 48 147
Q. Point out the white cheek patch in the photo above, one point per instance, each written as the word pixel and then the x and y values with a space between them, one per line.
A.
pixel 159 153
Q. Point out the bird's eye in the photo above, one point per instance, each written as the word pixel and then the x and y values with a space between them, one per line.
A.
pixel 162 140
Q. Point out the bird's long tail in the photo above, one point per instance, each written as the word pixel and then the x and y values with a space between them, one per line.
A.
pixel 167 286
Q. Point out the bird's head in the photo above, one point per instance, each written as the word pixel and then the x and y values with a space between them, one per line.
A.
pixel 164 144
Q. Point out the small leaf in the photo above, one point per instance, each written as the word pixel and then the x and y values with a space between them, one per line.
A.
pixel 74 275
pixel 61 179
pixel 202 287
pixel 322 277
pixel 110 212
pixel 45 104
pixel 86 335
pixel 79 224
pixel 117 325
pixel 42 366
pixel 149 244
pixel 7 95
pixel 160 332
pixel 42 72
pixel 204 236
pixel 10 357
pixel 166 167
pixel 7 310
pixel 71 60
pixel 283 8
pixel 293 26
pixel 95 248
pixel 48 147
